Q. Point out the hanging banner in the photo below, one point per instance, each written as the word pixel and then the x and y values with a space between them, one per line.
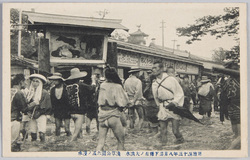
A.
pixel 128 59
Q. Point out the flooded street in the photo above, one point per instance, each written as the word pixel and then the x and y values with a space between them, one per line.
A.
pixel 216 136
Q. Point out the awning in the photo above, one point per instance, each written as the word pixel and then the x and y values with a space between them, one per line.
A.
pixel 44 18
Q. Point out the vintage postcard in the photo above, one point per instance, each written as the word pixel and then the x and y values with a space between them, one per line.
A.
pixel 125 80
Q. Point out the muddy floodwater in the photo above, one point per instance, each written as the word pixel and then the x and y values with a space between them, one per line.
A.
pixel 215 136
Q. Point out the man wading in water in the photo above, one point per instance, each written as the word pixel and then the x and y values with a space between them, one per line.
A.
pixel 167 91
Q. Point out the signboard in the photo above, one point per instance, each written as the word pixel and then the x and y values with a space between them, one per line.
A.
pixel 192 69
pixel 128 59
pixel 169 63
pixel 180 66
pixel 146 61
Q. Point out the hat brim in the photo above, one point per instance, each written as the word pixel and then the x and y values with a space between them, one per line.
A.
pixel 207 80
pixel 133 71
pixel 80 75
pixel 55 78
pixel 41 77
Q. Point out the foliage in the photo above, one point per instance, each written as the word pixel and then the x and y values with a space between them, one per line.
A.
pixel 234 54
pixel 218 26
pixel 219 55
pixel 120 35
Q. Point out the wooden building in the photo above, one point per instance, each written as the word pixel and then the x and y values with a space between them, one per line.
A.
pixel 20 65
pixel 71 41
pixel 143 57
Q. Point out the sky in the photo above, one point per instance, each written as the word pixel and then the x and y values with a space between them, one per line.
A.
pixel 149 16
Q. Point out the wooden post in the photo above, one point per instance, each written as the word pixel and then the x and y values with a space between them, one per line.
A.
pixel 43 55
pixel 112 54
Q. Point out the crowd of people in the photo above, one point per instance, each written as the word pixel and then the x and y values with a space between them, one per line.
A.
pixel 113 102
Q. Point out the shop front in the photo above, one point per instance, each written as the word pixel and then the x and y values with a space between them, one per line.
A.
pixel 128 59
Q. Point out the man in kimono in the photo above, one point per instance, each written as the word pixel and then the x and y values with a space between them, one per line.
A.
pixel 167 91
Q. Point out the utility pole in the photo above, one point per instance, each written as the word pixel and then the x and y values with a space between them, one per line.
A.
pixel 163 26
pixel 174 44
pixel 19 33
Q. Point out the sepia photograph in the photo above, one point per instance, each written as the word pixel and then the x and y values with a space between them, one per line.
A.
pixel 124 80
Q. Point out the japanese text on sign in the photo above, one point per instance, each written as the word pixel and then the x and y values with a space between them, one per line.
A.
pixel 181 66
pixel 146 61
pixel 128 59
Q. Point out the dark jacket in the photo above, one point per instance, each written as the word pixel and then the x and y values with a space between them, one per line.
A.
pixel 44 107
pixel 60 107
pixel 80 95
pixel 18 105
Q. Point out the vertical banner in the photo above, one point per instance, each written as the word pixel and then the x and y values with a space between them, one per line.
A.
pixel 43 55
pixel 112 54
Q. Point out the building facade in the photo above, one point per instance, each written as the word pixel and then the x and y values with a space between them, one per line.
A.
pixel 65 42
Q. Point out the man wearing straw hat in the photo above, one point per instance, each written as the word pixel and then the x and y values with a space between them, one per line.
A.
pixel 39 105
pixel 230 100
pixel 60 103
pixel 133 87
pixel 79 95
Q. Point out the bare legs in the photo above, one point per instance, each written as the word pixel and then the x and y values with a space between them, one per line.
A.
pixel 132 117
pixel 237 141
pixel 115 124
pixel 78 120
pixel 175 130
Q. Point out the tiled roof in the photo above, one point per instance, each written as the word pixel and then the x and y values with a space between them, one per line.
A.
pixel 151 51
pixel 176 51
pixel 195 57
pixel 44 18
pixel 23 61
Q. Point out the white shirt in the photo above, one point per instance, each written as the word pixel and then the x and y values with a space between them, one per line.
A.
pixel 173 93
pixel 161 94
pixel 58 92
pixel 133 87
pixel 112 94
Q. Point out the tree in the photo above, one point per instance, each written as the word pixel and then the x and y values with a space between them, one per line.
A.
pixel 227 24
pixel 219 55
pixel 26 45
pixel 120 35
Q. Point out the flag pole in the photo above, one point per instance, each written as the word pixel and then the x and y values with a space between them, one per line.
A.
pixel 19 33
